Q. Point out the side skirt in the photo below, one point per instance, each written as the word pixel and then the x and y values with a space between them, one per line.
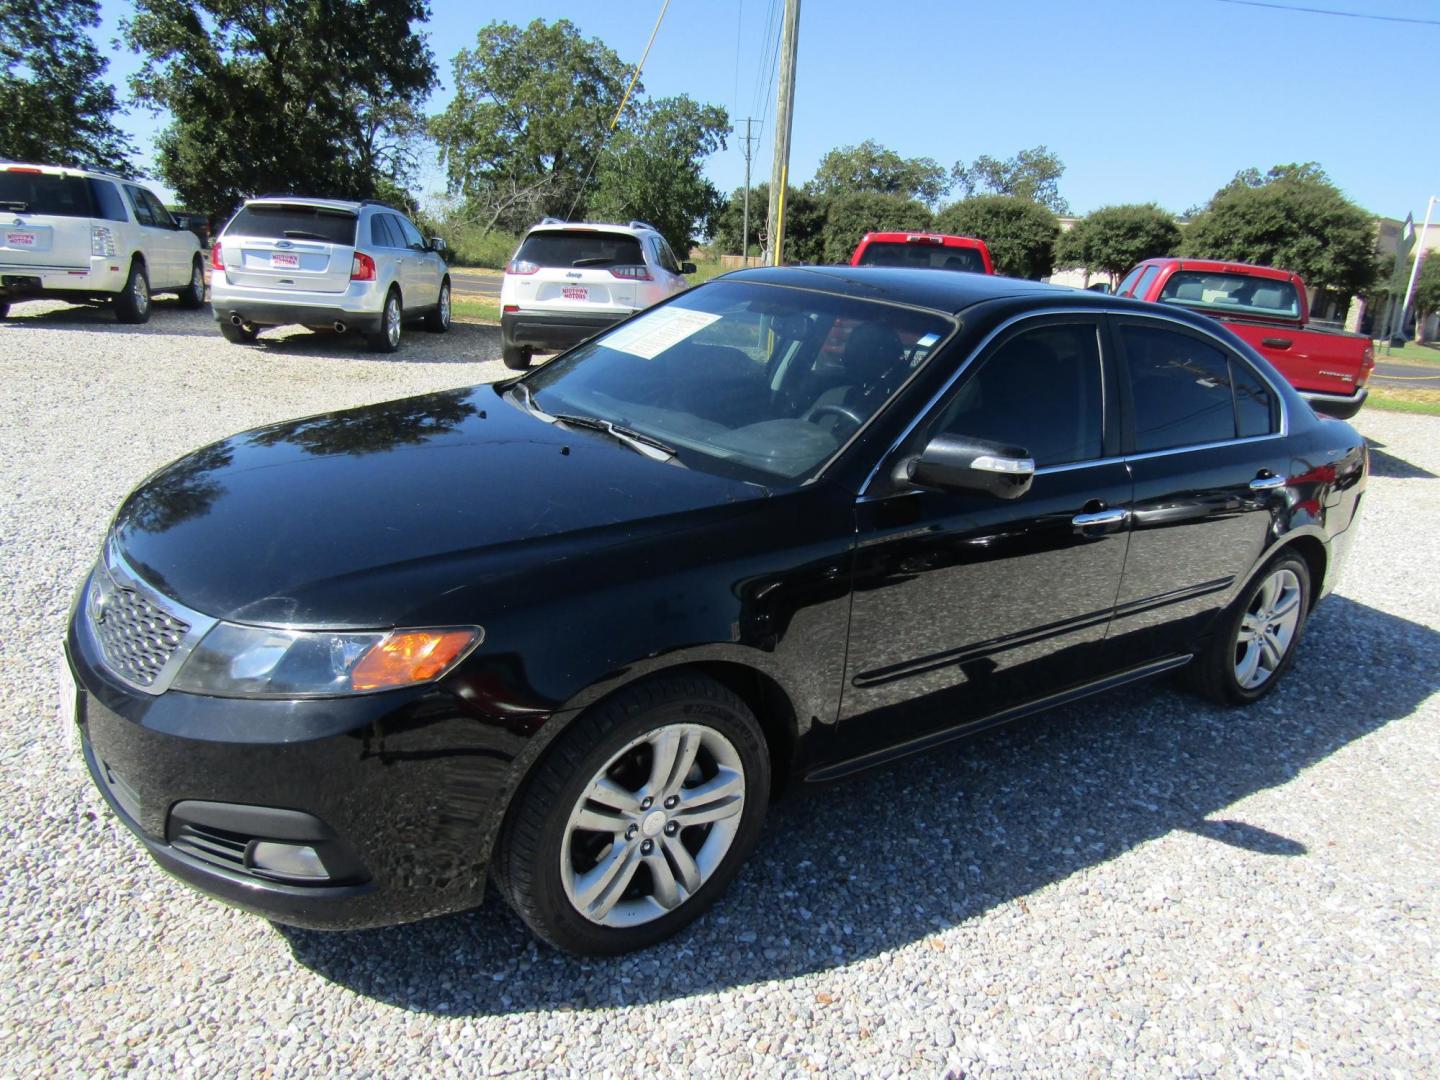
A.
pixel 1004 716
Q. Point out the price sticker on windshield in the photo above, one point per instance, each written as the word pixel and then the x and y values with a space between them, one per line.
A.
pixel 652 334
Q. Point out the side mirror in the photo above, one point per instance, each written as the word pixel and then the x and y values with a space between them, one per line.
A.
pixel 957 463
pixel 437 244
pixel 1099 286
pixel 687 268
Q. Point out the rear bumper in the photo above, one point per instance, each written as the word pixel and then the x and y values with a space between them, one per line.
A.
pixel 100 276
pixel 1340 406
pixel 534 330
pixel 358 307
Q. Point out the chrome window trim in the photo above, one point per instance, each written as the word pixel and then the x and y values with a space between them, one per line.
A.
pixel 122 575
pixel 1093 312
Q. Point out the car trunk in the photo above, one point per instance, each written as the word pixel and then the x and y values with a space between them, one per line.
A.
pixel 285 246
pixel 45 220
pixel 576 269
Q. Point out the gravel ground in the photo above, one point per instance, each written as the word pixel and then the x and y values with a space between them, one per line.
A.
pixel 1137 885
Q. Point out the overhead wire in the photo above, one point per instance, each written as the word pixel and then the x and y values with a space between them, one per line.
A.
pixel 1332 11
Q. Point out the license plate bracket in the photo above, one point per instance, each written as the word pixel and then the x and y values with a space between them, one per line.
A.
pixel 281 261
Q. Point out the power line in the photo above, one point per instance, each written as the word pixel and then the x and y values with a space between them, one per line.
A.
pixel 739 34
pixel 1332 11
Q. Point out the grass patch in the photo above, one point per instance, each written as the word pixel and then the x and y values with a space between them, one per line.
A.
pixel 484 309
pixel 1426 402
pixel 1409 353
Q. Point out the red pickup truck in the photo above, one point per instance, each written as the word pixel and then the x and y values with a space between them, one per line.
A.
pixel 928 251
pixel 1269 309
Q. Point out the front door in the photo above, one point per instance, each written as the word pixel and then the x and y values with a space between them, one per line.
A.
pixel 965 603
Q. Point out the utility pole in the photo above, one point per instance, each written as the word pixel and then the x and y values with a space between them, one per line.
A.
pixel 784 115
pixel 745 228
pixel 1415 270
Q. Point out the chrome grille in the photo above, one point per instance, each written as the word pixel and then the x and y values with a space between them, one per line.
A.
pixel 137 636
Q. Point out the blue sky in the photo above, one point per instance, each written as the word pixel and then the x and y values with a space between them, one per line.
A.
pixel 1144 100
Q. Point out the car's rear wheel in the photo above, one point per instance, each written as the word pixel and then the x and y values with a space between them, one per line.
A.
pixel 133 303
pixel 637 818
pixel 515 357
pixel 1258 636
pixel 438 321
pixel 386 337
pixel 193 295
pixel 243 334
pixel 4 310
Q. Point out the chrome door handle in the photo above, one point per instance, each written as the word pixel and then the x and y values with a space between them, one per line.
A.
pixel 1101 517
pixel 1267 483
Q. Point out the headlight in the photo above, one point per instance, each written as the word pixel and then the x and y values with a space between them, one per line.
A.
pixel 256 661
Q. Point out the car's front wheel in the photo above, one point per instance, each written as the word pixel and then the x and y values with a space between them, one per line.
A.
pixel 637 818
pixel 4 310
pixel 192 296
pixel 438 321
pixel 386 337
pixel 1258 636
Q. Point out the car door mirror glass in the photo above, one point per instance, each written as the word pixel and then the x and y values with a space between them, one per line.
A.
pixel 687 268
pixel 959 463
pixel 437 244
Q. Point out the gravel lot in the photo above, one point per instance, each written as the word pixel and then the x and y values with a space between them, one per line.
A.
pixel 1141 884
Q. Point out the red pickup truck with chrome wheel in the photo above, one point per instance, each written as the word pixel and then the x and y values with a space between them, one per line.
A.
pixel 1269 308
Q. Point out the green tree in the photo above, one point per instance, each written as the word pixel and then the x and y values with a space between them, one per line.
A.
pixel 849 217
pixel 1427 293
pixel 1032 174
pixel 804 223
pixel 281 95
pixel 1293 218
pixel 651 171
pixel 1115 238
pixel 875 168
pixel 55 107
pixel 1020 233
pixel 531 112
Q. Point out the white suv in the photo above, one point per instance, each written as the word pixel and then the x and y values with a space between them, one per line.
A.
pixel 77 234
pixel 364 266
pixel 568 281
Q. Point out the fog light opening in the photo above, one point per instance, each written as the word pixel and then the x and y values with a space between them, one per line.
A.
pixel 296 862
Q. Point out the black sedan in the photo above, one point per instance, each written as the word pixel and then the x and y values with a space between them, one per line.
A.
pixel 569 634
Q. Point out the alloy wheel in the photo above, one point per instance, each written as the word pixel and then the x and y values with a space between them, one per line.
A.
pixel 1267 629
pixel 140 290
pixel 392 321
pixel 653 825
pixel 445 306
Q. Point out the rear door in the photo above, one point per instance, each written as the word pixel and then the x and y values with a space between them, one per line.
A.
pixel 290 246
pixel 415 276
pixel 577 270
pixel 44 221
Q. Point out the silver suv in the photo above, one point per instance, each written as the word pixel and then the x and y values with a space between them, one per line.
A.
pixel 325 263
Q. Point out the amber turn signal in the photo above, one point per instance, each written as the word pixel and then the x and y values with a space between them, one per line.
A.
pixel 404 657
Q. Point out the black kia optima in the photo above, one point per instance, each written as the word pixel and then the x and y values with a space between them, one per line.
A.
pixel 570 633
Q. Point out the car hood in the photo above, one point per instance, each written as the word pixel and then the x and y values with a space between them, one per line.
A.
pixel 364 518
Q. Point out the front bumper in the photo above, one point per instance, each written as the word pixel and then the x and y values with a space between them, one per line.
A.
pixel 554 332
pixel 391 789
pixel 359 307
pixel 1340 406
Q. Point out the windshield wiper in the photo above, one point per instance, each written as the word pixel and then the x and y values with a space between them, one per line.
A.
pixel 641 443
pixel 303 234
pixel 597 261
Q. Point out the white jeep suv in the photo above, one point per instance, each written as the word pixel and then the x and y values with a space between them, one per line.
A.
pixel 568 281
pixel 327 263
pixel 79 234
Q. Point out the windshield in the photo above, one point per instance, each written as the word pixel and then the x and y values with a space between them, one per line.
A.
pixel 45 193
pixel 1233 292
pixel 750 380
pixel 923 256
pixel 273 222
pixel 579 247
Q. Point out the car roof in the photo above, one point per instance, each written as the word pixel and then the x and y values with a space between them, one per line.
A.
pixel 589 226
pixel 1217 266
pixel 944 239
pixel 63 170
pixel 938 290
pixel 305 200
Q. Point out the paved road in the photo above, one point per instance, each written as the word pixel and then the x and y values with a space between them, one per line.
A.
pixel 1385 369
pixel 473 283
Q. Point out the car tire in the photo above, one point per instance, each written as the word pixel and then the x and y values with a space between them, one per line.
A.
pixel 192 296
pixel 515 357
pixel 1258 635
pixel 4 311
pixel 438 321
pixel 244 334
pixel 386 337
pixel 133 303
pixel 653 874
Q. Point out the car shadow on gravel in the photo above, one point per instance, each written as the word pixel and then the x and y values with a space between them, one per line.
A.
pixel 166 317
pixel 1392 467
pixel 852 870
pixel 464 343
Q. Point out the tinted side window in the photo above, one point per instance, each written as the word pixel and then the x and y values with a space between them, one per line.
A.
pixel 1254 402
pixel 107 201
pixel 1142 286
pixel 1127 283
pixel 1179 387
pixel 667 257
pixel 157 210
pixel 139 205
pixel 1041 390
pixel 381 234
pixel 412 237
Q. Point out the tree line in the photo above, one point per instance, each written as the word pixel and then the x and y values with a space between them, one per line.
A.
pixel 302 95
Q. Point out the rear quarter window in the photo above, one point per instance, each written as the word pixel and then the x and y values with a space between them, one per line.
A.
pixel 280 222
pixel 108 204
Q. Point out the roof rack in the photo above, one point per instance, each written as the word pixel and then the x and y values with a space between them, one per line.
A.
pixel 548 220
pixel 643 225
pixel 381 202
